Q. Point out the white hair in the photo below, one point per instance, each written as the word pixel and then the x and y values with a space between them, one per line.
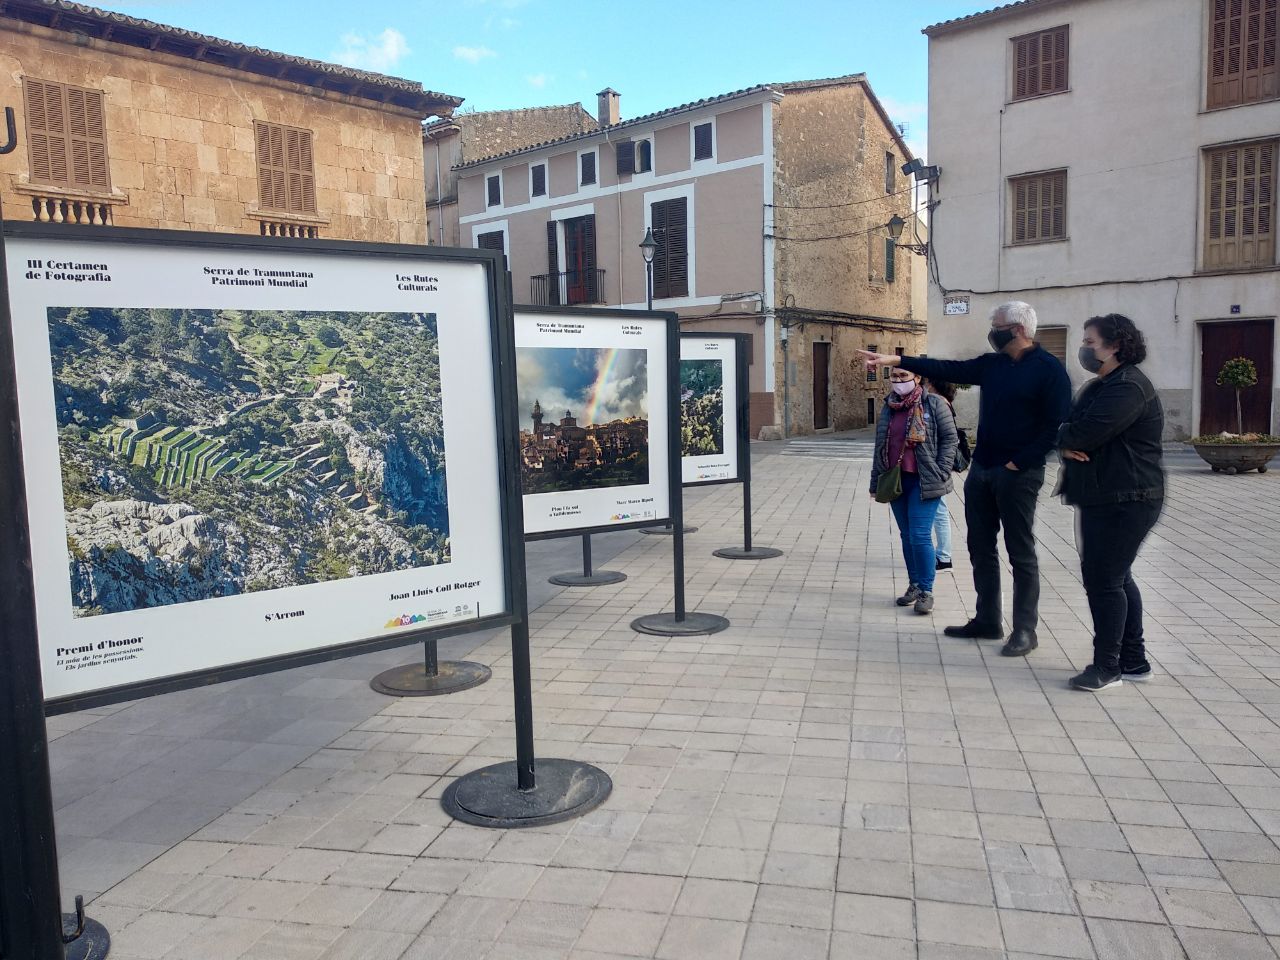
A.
pixel 1017 313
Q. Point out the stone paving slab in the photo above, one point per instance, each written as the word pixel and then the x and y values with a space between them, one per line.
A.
pixel 829 778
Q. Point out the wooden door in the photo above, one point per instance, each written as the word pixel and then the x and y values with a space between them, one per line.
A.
pixel 1220 342
pixel 580 259
pixel 821 382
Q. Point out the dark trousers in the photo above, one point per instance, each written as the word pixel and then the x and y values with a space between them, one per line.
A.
pixel 1110 537
pixel 996 497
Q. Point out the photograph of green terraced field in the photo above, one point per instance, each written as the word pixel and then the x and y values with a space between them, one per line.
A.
pixel 210 453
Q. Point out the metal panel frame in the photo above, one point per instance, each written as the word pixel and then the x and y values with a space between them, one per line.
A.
pixel 742 380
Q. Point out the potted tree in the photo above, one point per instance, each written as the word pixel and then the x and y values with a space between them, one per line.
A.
pixel 1237 452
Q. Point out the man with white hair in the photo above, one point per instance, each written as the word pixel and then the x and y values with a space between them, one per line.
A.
pixel 1025 398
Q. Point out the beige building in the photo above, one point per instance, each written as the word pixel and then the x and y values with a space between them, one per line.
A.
pixel 1088 171
pixel 135 124
pixel 463 137
pixel 768 206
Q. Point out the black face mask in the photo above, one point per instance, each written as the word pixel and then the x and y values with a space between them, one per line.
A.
pixel 1089 360
pixel 999 339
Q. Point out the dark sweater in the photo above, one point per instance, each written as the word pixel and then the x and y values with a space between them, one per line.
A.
pixel 1023 402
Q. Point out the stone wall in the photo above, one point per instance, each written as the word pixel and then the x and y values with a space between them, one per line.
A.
pixel 181 149
pixel 831 205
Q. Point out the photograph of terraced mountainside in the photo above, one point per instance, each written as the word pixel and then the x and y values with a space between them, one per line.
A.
pixel 701 408
pixel 210 453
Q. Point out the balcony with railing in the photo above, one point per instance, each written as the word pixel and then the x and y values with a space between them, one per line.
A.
pixel 567 288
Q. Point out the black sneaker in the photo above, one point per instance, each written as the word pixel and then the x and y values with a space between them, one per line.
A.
pixel 1094 679
pixel 942 565
pixel 1137 674
pixel 910 597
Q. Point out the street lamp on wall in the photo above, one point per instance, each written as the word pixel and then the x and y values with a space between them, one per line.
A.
pixel 894 226
pixel 648 247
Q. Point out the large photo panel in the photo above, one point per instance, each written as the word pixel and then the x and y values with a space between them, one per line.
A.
pixel 238 454
pixel 593 405
pixel 709 425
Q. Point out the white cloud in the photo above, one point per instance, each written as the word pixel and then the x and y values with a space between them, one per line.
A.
pixel 472 54
pixel 380 53
pixel 538 80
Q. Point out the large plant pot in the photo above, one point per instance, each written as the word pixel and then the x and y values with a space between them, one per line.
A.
pixel 1237 457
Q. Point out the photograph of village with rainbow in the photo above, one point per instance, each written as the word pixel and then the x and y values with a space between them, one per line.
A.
pixel 584 418
pixel 210 453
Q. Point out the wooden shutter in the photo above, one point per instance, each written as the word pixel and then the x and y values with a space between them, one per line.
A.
pixel 626 156
pixel 273 191
pixel 66 135
pixel 1240 207
pixel 493 187
pixel 671 260
pixel 1040 63
pixel 299 171
pixel 589 257
pixel 702 142
pixel 540 180
pixel 890 258
pixel 490 241
pixel 1054 340
pixel 1039 207
pixel 553 265
pixel 1242 52
pixel 588 168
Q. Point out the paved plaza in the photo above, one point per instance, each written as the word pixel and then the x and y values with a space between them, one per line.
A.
pixel 830 777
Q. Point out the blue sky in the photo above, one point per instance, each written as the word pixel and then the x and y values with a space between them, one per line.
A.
pixel 521 53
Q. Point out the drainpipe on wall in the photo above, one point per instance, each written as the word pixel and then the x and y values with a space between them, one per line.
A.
pixel 786 382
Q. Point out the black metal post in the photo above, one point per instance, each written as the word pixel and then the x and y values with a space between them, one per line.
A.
pixel 746 514
pixel 586 554
pixel 522 678
pixel 432 651
pixel 681 623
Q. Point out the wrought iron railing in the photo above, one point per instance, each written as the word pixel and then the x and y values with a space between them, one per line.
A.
pixel 567 288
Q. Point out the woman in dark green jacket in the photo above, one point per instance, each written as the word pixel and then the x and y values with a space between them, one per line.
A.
pixel 1112 473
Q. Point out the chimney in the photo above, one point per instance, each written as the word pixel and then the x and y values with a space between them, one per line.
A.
pixel 607 101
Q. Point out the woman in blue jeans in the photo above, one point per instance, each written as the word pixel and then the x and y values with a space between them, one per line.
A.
pixel 917 432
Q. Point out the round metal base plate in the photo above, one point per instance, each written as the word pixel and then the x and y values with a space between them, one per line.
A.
pixel 411 680
pixel 597 579
pixel 755 553
pixel 666 531
pixel 489 797
pixel 666 625
pixel 93 944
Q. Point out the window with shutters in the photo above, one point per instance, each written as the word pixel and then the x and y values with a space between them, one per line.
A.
pixel 669 219
pixel 587 163
pixel 644 156
pixel 890 264
pixel 538 182
pixel 626 156
pixel 1242 52
pixel 890 171
pixel 1040 63
pixel 286 174
pixel 1053 340
pixel 1240 206
pixel 492 240
pixel 493 191
pixel 1038 203
pixel 703 141
pixel 66 136
pixel 871 371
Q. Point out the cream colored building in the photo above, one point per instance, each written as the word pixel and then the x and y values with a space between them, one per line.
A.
pixel 769 206
pixel 131 123
pixel 1104 156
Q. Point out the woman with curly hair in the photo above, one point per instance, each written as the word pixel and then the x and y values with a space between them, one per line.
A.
pixel 1112 474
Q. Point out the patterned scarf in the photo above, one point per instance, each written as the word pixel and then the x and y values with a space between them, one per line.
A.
pixel 914 402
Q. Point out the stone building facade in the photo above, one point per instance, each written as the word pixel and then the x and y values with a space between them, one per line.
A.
pixel 770 220
pixel 135 124
pixel 1087 174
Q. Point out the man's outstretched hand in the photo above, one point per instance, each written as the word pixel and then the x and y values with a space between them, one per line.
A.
pixel 874 360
